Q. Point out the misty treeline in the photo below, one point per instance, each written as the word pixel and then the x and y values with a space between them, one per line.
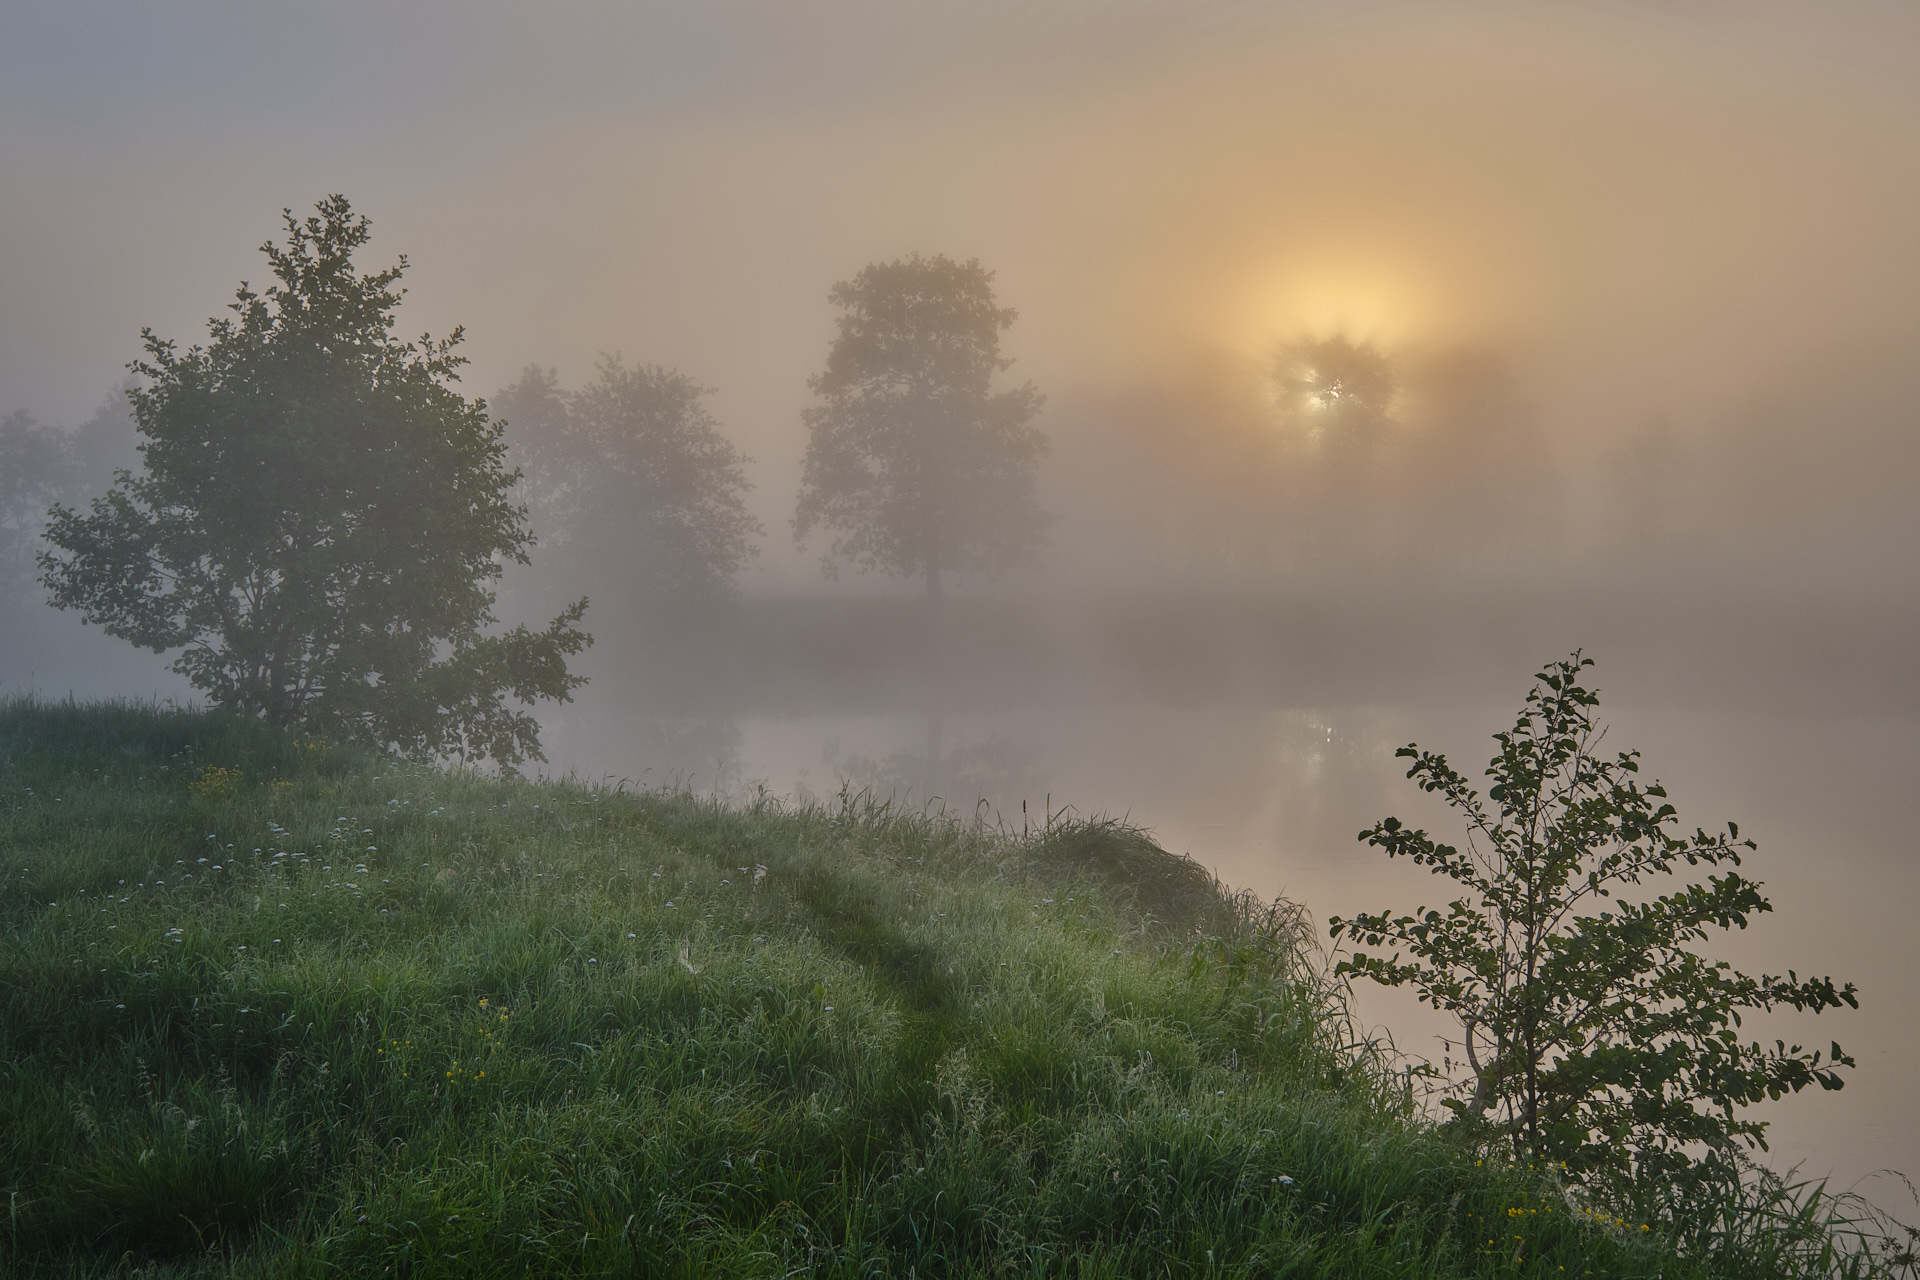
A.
pixel 638 501
pixel 1330 463
pixel 319 514
pixel 637 497
pixel 42 465
pixel 1333 457
pixel 916 466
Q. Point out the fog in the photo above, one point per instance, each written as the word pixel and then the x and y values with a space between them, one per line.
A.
pixel 1643 279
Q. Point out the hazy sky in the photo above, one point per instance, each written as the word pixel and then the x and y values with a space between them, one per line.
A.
pixel 1669 209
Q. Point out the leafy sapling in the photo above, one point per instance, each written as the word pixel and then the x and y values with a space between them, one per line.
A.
pixel 1595 1033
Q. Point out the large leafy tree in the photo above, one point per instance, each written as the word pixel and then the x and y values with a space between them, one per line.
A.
pixel 914 463
pixel 1595 1032
pixel 630 481
pixel 318 519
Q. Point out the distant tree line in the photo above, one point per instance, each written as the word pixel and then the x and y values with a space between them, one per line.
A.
pixel 43 465
pixel 317 517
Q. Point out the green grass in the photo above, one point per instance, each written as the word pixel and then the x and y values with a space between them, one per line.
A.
pixel 333 1014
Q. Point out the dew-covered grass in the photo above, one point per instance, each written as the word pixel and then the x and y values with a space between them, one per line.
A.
pixel 276 1008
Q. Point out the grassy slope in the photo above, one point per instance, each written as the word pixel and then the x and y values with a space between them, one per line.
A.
pixel 366 1017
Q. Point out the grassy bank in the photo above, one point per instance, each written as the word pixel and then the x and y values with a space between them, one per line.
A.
pixel 278 1008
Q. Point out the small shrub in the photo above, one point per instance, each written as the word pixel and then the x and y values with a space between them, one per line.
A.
pixel 1596 1035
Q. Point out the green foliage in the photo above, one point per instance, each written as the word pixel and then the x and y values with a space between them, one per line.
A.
pixel 1596 1034
pixel 914 463
pixel 317 519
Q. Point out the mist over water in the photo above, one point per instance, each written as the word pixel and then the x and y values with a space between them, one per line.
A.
pixel 1641 283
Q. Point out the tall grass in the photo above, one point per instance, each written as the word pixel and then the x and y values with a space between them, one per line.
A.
pixel 274 1008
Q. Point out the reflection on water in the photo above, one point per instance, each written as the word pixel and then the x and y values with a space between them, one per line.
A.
pixel 1272 799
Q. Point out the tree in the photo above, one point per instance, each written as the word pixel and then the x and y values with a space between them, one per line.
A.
pixel 1337 399
pixel 37 468
pixel 914 463
pixel 631 478
pixel 1595 1034
pixel 1341 392
pixel 317 520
